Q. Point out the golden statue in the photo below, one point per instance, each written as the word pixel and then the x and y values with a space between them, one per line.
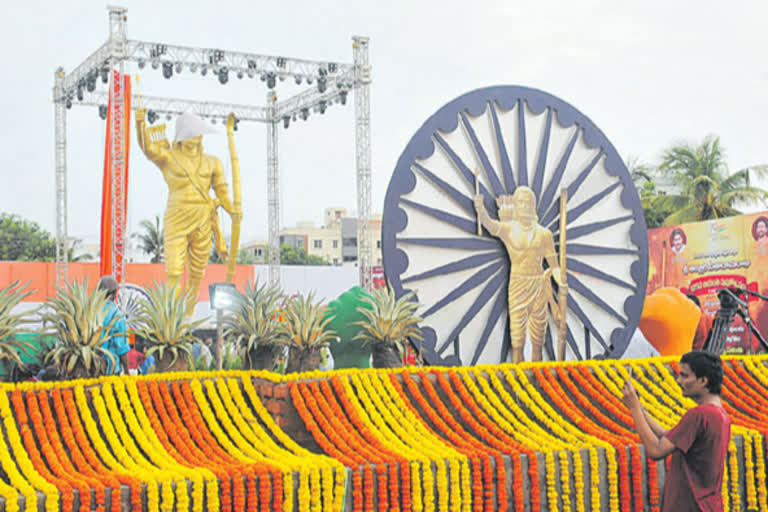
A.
pixel 190 219
pixel 530 290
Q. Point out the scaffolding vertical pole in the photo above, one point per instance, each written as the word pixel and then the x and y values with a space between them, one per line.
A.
pixel 363 156
pixel 118 151
pixel 273 191
pixel 60 113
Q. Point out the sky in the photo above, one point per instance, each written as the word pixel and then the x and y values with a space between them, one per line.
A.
pixel 649 74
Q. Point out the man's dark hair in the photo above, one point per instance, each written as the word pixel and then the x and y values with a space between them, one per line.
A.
pixel 108 284
pixel 678 231
pixel 694 298
pixel 763 221
pixel 706 364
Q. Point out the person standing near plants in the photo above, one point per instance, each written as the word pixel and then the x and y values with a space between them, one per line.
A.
pixel 117 342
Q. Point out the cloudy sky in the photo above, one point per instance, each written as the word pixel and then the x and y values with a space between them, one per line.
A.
pixel 647 73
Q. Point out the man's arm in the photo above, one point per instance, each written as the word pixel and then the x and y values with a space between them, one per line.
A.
pixel 657 429
pixel 493 226
pixel 221 189
pixel 551 256
pixel 657 447
pixel 157 152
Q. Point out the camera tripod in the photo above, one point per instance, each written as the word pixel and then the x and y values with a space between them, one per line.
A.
pixel 730 306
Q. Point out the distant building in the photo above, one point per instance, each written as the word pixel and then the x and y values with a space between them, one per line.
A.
pixel 335 242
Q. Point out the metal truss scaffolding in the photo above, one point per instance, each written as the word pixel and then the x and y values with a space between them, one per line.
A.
pixel 328 83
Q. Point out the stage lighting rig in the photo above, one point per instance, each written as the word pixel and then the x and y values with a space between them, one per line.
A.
pixel 167 70
pixel 223 75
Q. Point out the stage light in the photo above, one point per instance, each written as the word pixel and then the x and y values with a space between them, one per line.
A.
pixel 251 73
pixel 294 117
pixel 90 83
pixel 240 75
pixel 79 93
pixel 168 117
pixel 323 106
pixel 281 62
pixel 167 70
pixel 322 84
pixel 235 125
pixel 271 81
pixel 203 70
pixel 151 116
pixel 155 63
pixel 103 112
pixel 343 97
pixel 251 64
pixel 69 103
pixel 178 67
pixel 298 80
pixel 263 77
pixel 286 121
pixel 193 67
pixel 142 63
pixel 213 120
pixel 281 77
pixel 309 80
pixel 223 76
pixel 332 67
pixel 304 113
pixel 105 74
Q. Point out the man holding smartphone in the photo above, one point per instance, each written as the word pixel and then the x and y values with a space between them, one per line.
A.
pixel 698 443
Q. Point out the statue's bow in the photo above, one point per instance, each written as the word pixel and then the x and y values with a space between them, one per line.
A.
pixel 234 245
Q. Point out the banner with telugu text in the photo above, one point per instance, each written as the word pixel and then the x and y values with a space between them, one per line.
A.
pixel 702 258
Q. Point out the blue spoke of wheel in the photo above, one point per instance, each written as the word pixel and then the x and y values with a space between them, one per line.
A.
pixel 578 211
pixel 541 163
pixel 463 200
pixel 573 305
pixel 583 268
pixel 586 229
pixel 482 299
pixel 596 250
pixel 473 281
pixel 557 176
pixel 467 225
pixel 456 266
pixel 573 187
pixel 467 244
pixel 490 172
pixel 468 175
pixel 493 318
pixel 548 344
pixel 522 151
pixel 578 286
pixel 572 342
pixel 506 167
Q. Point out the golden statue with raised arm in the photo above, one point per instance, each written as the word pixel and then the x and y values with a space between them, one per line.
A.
pixel 528 244
pixel 190 219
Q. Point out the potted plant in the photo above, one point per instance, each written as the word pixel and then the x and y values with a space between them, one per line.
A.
pixel 305 331
pixel 252 322
pixel 11 326
pixel 75 318
pixel 388 324
pixel 165 323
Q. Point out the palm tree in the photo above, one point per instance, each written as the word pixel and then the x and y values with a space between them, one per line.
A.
pixel 706 189
pixel 151 240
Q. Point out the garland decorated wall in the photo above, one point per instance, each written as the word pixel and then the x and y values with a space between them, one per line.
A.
pixel 531 437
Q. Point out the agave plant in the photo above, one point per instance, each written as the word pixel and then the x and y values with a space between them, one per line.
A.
pixel 12 324
pixel 306 332
pixel 252 324
pixel 164 322
pixel 388 325
pixel 75 318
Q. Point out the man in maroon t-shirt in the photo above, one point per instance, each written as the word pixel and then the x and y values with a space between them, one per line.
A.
pixel 698 443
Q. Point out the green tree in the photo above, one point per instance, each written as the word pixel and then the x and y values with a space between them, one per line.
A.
pixel 24 240
pixel 706 189
pixel 290 255
pixel 151 239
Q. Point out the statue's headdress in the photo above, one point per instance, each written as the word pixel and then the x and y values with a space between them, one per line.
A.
pixel 189 125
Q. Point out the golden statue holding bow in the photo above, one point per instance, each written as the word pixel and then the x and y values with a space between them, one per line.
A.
pixel 530 290
pixel 191 219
